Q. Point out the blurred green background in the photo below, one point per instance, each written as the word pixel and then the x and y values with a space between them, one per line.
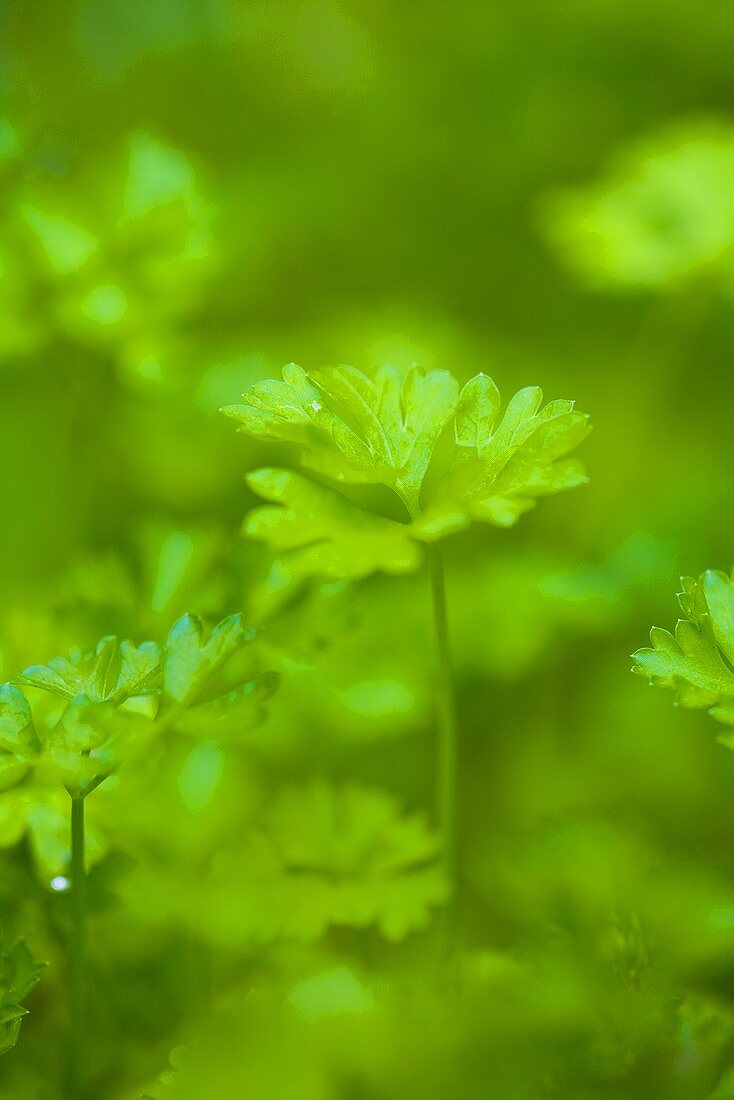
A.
pixel 195 193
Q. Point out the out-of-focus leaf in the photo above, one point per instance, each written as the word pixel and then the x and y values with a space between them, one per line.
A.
pixel 232 713
pixel 157 175
pixel 19 744
pixel 200 775
pixel 18 975
pixel 663 215
pixel 330 993
pixel 67 246
pixel 328 856
pixel 40 810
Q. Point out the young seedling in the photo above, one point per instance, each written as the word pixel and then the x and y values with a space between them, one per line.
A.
pixel 385 430
pixel 697 662
pixel 113 702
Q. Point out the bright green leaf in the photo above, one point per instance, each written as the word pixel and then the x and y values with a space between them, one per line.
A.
pixel 67 246
pixel 333 992
pixel 502 465
pixel 200 775
pixel 157 175
pixel 317 532
pixel 384 430
pixel 19 744
pixel 191 659
pixel 111 672
pixel 696 661
pixel 352 428
pixel 18 975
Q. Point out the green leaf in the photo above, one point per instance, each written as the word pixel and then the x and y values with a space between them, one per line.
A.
pixel 502 465
pixel 696 661
pixel 41 809
pixel 11 146
pixel 157 176
pixel 17 732
pixel 476 413
pixel 18 975
pixel 191 660
pixel 330 993
pixel 19 744
pixel 719 595
pixel 385 430
pixel 91 740
pixel 349 856
pixel 663 215
pixel 232 713
pixel 352 428
pixel 200 775
pixel 318 532
pixel 67 246
pixel 112 672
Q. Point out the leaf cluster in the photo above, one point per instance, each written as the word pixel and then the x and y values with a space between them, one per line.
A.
pixel 118 697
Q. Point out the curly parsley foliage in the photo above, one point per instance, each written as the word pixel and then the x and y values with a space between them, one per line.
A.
pixel 18 975
pixel 384 430
pixel 697 661
pixel 117 696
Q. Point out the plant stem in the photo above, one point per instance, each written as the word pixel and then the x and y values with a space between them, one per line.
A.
pixel 78 949
pixel 446 746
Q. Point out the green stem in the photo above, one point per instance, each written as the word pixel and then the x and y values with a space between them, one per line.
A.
pixel 78 949
pixel 446 729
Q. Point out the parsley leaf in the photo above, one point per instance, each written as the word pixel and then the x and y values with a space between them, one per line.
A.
pixel 697 661
pixel 319 532
pixel 111 672
pixel 18 974
pixel 502 465
pixel 190 661
pixel 385 430
pixel 19 744
pixel 118 697
pixel 233 712
pixel 353 428
pixel 334 856
pixel 91 739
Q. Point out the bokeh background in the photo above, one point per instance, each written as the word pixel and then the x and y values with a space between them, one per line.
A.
pixel 195 193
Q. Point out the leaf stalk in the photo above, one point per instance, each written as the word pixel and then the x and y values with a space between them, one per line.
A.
pixel 78 950
pixel 446 725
